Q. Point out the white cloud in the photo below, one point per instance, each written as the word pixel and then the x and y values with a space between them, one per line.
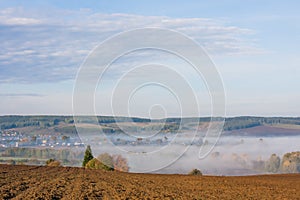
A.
pixel 35 44
pixel 19 21
pixel 21 95
pixel 15 16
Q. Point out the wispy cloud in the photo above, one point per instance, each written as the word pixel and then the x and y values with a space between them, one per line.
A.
pixel 21 95
pixel 39 47
pixel 15 16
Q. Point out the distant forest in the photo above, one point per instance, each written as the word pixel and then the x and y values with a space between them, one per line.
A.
pixel 234 123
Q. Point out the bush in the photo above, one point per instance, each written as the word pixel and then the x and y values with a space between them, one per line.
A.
pixel 53 163
pixel 195 172
pixel 120 163
pixel 93 164
pixel 12 162
pixel 108 163
pixel 96 164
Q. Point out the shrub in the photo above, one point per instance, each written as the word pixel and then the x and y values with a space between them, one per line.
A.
pixel 97 164
pixel 108 163
pixel 93 164
pixel 52 163
pixel 107 160
pixel 120 163
pixel 195 172
pixel 12 162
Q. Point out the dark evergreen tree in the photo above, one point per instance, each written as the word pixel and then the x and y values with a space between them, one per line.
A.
pixel 87 156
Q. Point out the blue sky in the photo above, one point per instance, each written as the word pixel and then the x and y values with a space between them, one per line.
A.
pixel 254 45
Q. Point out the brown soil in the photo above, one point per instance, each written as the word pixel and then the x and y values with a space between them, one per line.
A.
pixel 36 182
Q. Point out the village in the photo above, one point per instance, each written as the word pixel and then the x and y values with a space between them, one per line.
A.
pixel 12 138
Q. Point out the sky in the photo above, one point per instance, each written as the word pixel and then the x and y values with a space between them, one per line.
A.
pixel 253 44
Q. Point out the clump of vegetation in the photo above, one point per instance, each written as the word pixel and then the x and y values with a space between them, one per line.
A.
pixel 109 163
pixel 12 162
pixel 195 172
pixel 291 162
pixel 107 160
pixel 88 155
pixel 42 153
pixel 273 164
pixel 53 163
pixel 95 164
pixel 120 163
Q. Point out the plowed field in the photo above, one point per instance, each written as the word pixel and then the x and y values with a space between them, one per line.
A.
pixel 37 182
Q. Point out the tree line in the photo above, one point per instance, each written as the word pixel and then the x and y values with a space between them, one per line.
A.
pixel 289 163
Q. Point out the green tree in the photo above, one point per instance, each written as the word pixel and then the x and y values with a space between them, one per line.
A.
pixel 88 155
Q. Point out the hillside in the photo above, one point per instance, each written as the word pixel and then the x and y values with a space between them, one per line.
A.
pixel 32 182
pixel 65 124
pixel 266 131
